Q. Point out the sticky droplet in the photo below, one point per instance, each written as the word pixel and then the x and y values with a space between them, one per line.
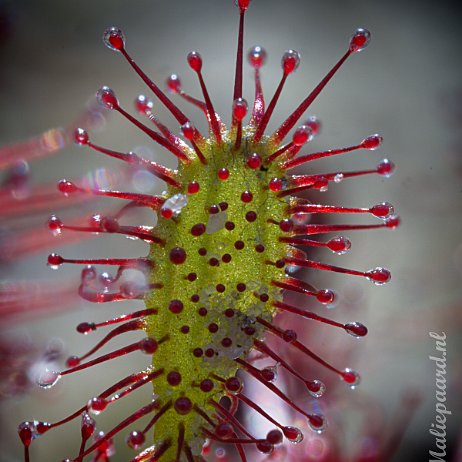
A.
pixel 47 377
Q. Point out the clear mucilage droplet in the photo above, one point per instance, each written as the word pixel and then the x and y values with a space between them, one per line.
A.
pixel 319 428
pixel 257 57
pixel 316 388
pixel 290 61
pixel 351 377
pixel 106 97
pixel 176 203
pixel 338 178
pixel 360 40
pixel 293 434
pixel 114 38
pixel 46 377
pixel 356 329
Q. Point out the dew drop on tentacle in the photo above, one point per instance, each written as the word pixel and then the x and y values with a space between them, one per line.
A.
pixel 339 245
pixel 45 376
pixel 240 108
pixel 290 61
pixel 293 434
pixel 351 377
pixel 379 276
pixel 270 373
pixel 257 57
pixel 302 135
pixel 386 168
pixel 356 329
pixel 114 39
pixel 316 388
pixel 174 83
pixel 317 423
pixel 254 161
pixel 360 40
pixel 97 405
pixel 107 98
pixel 372 142
pixel 135 439
pixel 188 130
pixel 143 104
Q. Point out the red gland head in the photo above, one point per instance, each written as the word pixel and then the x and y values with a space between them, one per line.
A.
pixel 88 426
pixel 286 225
pixel 110 224
pixel 97 405
pixel 173 83
pixel 177 255
pixel 193 187
pixel 243 4
pixel 224 430
pixel 372 142
pixel 195 61
pixel 355 329
pixel 67 187
pixel 223 174
pixel 72 361
pixel 206 385
pixel 360 40
pixel 302 135
pixel 55 224
pixel 135 439
pixel 148 345
pixel 107 98
pixel 351 377
pixel 234 385
pixel 293 434
pixel 257 57
pixel 317 423
pixel 274 436
pixel 269 374
pixel 55 260
pixel 183 405
pixel 393 221
pixel 240 107
pixel 81 137
pixel 339 245
pixel 26 432
pixel 382 210
pixel 315 388
pixel 326 296
pixel 265 447
pixel 143 104
pixel 174 378
pixel 114 39
pixel 290 61
pixel 379 276
pixel 188 130
pixel 42 427
pixel 276 184
pixel 386 168
pixel 254 161
pixel 85 328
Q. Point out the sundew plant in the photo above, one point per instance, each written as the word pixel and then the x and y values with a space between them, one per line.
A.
pixel 231 230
